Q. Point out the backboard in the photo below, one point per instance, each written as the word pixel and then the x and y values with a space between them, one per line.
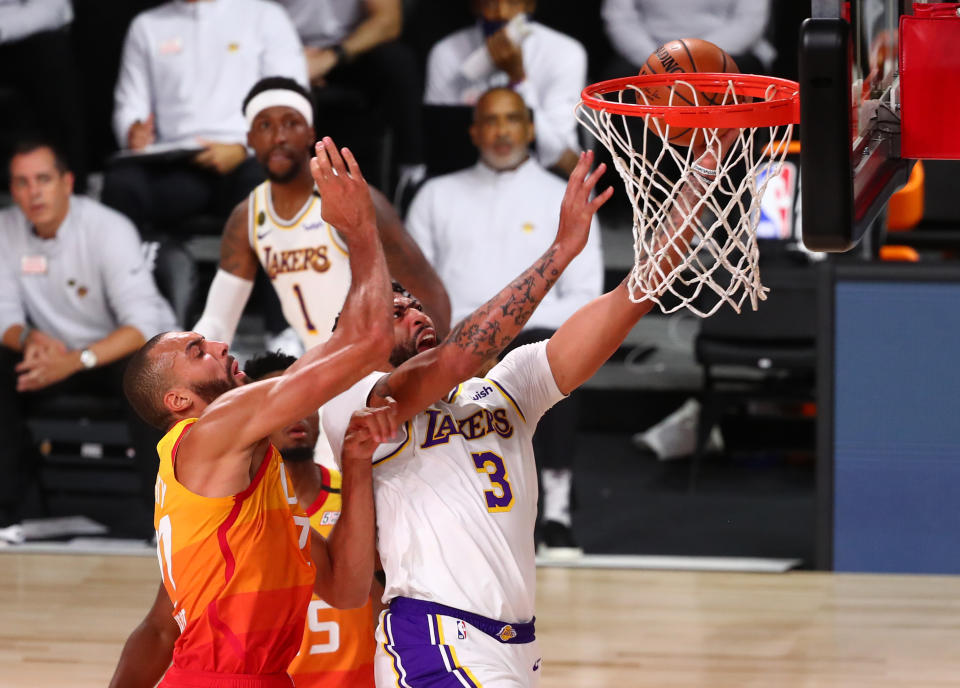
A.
pixel 849 100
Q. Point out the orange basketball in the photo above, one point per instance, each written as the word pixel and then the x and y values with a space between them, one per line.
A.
pixel 685 55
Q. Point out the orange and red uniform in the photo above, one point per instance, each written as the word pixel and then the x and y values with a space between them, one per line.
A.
pixel 238 572
pixel 338 644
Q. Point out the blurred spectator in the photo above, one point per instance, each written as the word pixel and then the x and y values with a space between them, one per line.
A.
pixel 186 66
pixel 638 27
pixel 77 297
pixel 36 61
pixel 547 68
pixel 353 44
pixel 479 227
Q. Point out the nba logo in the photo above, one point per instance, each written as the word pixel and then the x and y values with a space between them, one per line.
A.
pixel 461 630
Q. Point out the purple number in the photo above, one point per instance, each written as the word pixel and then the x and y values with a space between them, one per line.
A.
pixel 500 498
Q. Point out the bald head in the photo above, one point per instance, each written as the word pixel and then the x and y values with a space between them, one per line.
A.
pixel 502 129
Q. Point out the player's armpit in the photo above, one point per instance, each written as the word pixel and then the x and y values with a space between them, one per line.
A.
pixel 236 255
pixel 409 266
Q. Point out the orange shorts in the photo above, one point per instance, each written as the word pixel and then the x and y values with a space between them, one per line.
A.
pixel 180 678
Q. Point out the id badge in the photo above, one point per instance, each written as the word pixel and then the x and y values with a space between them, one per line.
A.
pixel 33 265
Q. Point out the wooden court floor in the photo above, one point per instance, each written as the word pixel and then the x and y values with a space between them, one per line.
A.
pixel 63 619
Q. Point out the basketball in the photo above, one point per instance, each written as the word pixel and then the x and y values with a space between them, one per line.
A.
pixel 685 55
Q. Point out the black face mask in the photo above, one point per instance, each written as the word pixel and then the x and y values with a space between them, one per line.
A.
pixel 491 27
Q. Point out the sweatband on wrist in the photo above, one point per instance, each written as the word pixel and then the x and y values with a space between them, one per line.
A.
pixel 225 302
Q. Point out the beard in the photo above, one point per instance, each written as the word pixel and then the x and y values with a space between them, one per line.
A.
pixel 402 353
pixel 285 177
pixel 211 389
pixel 297 454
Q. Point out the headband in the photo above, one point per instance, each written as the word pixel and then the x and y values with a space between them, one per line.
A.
pixel 278 97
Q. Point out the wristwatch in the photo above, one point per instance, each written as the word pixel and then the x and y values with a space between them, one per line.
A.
pixel 88 359
pixel 341 53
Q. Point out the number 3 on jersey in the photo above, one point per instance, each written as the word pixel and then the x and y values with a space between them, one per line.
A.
pixel 500 498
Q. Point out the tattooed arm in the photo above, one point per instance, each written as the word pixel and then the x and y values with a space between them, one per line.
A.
pixel 482 335
pixel 591 335
pixel 409 266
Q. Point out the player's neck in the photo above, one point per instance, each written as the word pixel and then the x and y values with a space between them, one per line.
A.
pixel 288 198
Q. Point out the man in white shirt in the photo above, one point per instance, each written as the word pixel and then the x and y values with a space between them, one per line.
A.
pixel 456 489
pixel 638 27
pixel 37 61
pixel 547 68
pixel 77 298
pixel 353 44
pixel 482 225
pixel 186 67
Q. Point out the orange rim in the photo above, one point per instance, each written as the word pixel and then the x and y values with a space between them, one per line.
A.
pixel 779 104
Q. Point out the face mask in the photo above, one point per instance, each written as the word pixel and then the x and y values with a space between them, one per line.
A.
pixel 491 27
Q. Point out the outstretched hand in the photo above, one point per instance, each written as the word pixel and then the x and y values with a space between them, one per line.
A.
pixel 577 209
pixel 709 153
pixel 369 427
pixel 347 205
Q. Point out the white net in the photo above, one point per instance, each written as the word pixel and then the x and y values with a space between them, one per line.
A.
pixel 711 223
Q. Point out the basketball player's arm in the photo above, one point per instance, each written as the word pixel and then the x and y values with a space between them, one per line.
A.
pixel 149 647
pixel 219 444
pixel 594 332
pixel 409 266
pixel 233 282
pixel 483 335
pixel 344 563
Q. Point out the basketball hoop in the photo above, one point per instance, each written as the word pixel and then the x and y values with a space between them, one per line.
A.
pixel 721 264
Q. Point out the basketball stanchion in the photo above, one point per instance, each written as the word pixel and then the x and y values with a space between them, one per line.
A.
pixel 722 261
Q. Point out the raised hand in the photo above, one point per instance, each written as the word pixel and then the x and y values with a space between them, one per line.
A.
pixel 369 427
pixel 347 205
pixel 577 209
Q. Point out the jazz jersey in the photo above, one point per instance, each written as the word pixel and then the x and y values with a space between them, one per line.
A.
pixel 237 568
pixel 456 492
pixel 306 261
pixel 338 644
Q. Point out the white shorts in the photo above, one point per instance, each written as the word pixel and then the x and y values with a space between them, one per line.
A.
pixel 421 650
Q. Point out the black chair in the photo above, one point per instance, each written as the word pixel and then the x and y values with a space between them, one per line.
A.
pixel 84 432
pixel 765 354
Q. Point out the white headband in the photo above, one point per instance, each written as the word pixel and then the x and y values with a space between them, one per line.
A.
pixel 278 97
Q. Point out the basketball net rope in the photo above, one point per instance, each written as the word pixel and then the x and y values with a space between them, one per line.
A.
pixel 721 263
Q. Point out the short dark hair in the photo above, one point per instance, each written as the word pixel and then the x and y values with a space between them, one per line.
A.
pixel 144 384
pixel 33 143
pixel 274 82
pixel 269 362
pixel 505 89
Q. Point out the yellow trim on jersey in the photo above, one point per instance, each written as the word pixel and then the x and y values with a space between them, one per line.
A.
pixel 455 393
pixel 253 227
pixel 509 399
pixel 335 240
pixel 386 649
pixel 396 452
pixel 297 219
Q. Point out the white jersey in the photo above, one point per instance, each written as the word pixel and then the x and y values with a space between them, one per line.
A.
pixel 306 260
pixel 456 493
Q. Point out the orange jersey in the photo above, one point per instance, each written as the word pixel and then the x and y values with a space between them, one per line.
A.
pixel 338 644
pixel 237 569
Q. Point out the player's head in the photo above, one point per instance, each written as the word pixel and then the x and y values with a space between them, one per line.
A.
pixel 297 440
pixel 501 10
pixel 413 330
pixel 279 116
pixel 40 183
pixel 176 375
pixel 502 129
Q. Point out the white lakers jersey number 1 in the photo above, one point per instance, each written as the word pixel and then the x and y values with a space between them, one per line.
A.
pixel 307 263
